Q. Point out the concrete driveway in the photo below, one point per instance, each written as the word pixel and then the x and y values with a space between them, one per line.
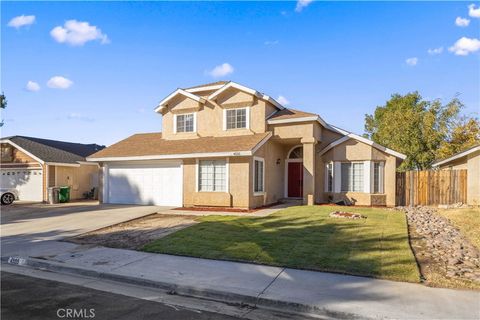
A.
pixel 24 225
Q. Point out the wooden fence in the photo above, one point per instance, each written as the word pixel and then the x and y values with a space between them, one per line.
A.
pixel 431 187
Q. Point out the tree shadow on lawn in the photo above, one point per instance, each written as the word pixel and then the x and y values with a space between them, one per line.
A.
pixel 372 248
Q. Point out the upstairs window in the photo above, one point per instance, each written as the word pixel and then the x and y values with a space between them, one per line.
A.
pixel 185 122
pixel 236 118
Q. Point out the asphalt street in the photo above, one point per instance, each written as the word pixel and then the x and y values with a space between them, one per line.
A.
pixel 32 298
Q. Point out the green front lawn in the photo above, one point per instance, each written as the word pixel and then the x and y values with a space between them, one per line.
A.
pixel 303 237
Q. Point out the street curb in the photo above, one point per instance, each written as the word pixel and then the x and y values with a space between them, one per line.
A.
pixel 183 290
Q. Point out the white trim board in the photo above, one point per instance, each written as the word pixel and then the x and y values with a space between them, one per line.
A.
pixel 61 164
pixel 262 142
pixel 10 142
pixel 162 104
pixel 187 155
pixel 302 119
pixel 457 156
pixel 341 131
pixel 364 140
pixel 251 91
pixel 176 156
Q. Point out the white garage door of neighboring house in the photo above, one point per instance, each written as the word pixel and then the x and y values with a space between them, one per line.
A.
pixel 28 182
pixel 158 184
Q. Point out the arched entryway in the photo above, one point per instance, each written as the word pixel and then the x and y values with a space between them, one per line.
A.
pixel 294 173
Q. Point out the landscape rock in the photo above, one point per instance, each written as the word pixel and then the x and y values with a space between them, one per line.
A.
pixel 446 243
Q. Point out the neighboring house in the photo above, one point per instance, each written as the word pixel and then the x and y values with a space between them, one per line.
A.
pixel 31 165
pixel 469 160
pixel 224 144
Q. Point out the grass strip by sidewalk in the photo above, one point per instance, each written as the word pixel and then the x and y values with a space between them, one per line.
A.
pixel 303 237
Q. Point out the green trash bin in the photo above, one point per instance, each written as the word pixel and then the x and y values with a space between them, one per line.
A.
pixel 64 194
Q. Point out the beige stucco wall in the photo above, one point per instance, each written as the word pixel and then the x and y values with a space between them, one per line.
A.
pixel 210 115
pixel 471 163
pixel 328 136
pixel 353 150
pixel 473 179
pixel 79 179
pixel 456 164
pixel 272 153
pixel 296 130
pixel 237 195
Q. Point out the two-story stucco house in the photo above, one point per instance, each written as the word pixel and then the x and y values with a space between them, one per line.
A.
pixel 224 144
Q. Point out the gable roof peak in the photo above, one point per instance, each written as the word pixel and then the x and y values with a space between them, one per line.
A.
pixel 53 150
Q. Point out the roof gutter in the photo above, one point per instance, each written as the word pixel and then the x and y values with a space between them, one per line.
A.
pixel 175 156
pixel 62 164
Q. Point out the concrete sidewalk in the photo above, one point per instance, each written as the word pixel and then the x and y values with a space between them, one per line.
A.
pixel 331 295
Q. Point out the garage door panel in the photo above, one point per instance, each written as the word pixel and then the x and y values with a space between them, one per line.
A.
pixel 27 182
pixel 158 184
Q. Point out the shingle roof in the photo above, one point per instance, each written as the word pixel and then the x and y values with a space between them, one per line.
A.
pixel 457 156
pixel 55 151
pixel 208 84
pixel 152 144
pixel 291 114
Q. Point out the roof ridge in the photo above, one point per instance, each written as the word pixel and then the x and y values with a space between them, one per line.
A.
pixel 208 84
pixel 50 147
pixel 61 141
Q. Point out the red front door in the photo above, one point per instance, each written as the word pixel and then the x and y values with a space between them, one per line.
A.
pixel 295 179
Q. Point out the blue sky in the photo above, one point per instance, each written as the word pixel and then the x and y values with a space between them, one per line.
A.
pixel 337 59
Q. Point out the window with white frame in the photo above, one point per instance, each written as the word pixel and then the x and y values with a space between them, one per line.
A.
pixel 236 118
pixel 258 175
pixel 352 176
pixel 185 122
pixel 212 175
pixel 329 177
pixel 378 177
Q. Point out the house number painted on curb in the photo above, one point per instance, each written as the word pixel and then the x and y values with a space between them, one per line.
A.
pixel 17 260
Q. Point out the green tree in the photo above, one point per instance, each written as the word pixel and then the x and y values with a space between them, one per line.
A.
pixel 464 135
pixel 423 130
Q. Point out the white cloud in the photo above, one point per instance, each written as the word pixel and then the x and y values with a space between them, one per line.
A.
pixel 412 61
pixel 21 21
pixel 473 12
pixel 464 46
pixel 32 86
pixel 59 82
pixel 283 101
pixel 271 42
pixel 221 70
pixel 435 51
pixel 301 4
pixel 77 33
pixel 462 22
pixel 79 116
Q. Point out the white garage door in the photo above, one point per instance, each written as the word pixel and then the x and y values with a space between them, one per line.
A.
pixel 28 183
pixel 158 184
